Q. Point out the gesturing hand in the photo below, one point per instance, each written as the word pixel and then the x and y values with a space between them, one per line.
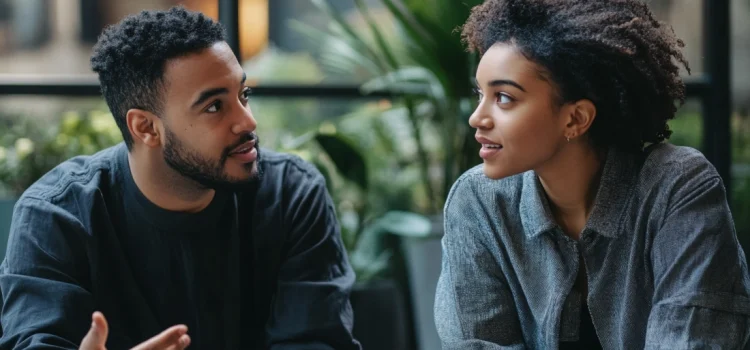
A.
pixel 174 338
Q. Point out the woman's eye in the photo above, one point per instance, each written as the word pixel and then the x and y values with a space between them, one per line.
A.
pixel 503 99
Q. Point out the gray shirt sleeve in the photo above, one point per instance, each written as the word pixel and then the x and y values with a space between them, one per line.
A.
pixel 474 308
pixel 700 298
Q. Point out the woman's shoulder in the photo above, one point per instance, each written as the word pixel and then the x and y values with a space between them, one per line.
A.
pixel 672 176
pixel 474 188
pixel 674 156
pixel 666 163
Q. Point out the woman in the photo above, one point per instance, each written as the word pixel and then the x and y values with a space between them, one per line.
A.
pixel 583 228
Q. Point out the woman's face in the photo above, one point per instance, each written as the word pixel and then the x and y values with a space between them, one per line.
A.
pixel 519 123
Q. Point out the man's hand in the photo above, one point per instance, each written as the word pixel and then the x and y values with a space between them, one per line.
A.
pixel 174 338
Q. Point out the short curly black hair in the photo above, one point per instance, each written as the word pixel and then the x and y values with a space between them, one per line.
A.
pixel 612 52
pixel 130 57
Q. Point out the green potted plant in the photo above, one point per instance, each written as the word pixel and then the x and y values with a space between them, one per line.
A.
pixel 366 225
pixel 412 48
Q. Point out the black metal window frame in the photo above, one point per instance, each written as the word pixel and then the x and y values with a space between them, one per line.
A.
pixel 712 88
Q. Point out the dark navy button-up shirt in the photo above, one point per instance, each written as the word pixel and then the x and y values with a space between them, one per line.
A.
pixel 258 269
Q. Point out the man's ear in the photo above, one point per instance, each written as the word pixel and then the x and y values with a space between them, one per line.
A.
pixel 144 126
pixel 580 117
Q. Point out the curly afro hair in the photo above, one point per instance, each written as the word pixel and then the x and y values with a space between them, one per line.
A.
pixel 612 52
pixel 130 57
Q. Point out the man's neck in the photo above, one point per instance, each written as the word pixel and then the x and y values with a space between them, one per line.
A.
pixel 164 187
pixel 571 181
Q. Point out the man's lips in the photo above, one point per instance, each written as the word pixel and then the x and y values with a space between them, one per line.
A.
pixel 243 148
pixel 245 153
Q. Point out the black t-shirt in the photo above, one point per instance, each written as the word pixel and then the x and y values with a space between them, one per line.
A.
pixel 587 339
pixel 187 249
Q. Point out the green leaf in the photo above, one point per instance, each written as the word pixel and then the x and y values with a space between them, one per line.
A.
pixel 348 159
pixel 299 141
pixel 393 80
pixel 369 268
pixel 323 171
pixel 416 33
pixel 406 224
pixel 384 48
pixel 340 50
pixel 343 28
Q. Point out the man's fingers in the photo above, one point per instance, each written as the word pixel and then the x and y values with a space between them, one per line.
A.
pixel 96 338
pixel 175 336
pixel 182 343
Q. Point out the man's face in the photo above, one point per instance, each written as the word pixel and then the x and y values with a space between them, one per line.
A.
pixel 208 128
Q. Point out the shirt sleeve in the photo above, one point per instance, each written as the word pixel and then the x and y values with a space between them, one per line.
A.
pixel 44 303
pixel 311 309
pixel 474 308
pixel 700 274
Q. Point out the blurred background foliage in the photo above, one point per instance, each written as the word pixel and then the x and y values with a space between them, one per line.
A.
pixel 389 162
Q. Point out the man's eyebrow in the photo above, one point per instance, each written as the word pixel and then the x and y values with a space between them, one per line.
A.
pixel 207 94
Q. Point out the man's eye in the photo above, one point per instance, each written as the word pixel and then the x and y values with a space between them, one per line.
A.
pixel 214 107
pixel 246 94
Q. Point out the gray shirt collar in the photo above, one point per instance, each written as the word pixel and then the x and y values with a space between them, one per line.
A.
pixel 615 187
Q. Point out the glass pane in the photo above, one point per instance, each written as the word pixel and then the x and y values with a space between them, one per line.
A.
pixel 284 47
pixel 687 126
pixel 740 122
pixel 686 18
pixel 53 37
pixel 741 176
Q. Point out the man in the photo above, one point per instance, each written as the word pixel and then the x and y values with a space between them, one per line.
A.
pixel 187 233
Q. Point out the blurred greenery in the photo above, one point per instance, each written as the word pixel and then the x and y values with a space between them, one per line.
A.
pixel 353 143
pixel 411 48
pixel 388 163
pixel 30 147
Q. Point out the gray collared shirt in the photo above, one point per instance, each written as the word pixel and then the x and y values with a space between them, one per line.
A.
pixel 664 267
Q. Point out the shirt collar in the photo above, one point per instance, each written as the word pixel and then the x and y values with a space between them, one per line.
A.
pixel 615 188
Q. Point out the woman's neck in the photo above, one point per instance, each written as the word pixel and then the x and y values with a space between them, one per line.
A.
pixel 571 180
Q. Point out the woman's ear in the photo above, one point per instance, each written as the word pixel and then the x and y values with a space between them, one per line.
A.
pixel 581 115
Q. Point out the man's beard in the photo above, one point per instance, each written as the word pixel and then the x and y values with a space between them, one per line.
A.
pixel 206 172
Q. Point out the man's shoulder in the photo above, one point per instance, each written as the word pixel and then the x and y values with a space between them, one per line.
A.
pixel 75 177
pixel 287 168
